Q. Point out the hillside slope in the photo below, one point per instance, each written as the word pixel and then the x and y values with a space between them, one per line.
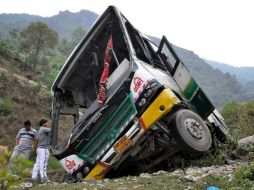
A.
pixel 27 100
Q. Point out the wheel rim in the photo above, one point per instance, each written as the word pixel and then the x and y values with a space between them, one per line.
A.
pixel 194 128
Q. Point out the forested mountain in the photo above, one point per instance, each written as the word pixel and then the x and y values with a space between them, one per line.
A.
pixel 63 23
pixel 220 87
pixel 244 74
pixel 15 21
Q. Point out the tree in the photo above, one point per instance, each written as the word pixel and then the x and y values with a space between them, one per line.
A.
pixel 77 34
pixel 36 39
pixel 65 46
pixel 13 43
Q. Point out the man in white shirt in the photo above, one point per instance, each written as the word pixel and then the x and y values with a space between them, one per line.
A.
pixel 43 145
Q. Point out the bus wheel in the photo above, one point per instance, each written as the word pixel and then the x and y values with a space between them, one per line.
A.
pixel 191 131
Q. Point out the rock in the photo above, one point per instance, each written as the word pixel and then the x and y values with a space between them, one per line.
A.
pixel 205 169
pixel 33 83
pixel 177 172
pixel 193 171
pixel 20 78
pixel 137 186
pixel 199 179
pixel 196 179
pixel 188 178
pixel 3 183
pixel 121 188
pixel 197 175
pixel 2 70
pixel 23 185
pixel 105 180
pixel 230 162
pixel 145 175
pixel 101 185
pixel 241 154
pixel 116 180
pixel 160 172
pixel 247 143
pixel 231 177
pixel 3 149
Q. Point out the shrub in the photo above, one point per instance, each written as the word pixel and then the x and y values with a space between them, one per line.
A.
pixel 6 106
pixel 21 166
pixel 240 119
pixel 53 163
pixel 246 173
pixel 3 48
pixel 48 97
pixel 36 88
pixel 3 77
pixel 213 157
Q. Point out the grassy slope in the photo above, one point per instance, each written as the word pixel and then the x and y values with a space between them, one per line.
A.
pixel 28 101
pixel 160 181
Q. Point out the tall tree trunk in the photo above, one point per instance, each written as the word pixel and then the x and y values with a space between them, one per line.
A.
pixel 35 62
pixel 36 56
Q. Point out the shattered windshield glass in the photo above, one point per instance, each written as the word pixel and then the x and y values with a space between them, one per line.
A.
pixel 92 75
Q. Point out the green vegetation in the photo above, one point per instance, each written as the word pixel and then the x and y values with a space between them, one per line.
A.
pixel 21 167
pixel 240 119
pixel 2 77
pixel 214 157
pixel 36 51
pixel 246 173
pixel 36 40
pixel 53 163
pixel 6 106
pixel 3 47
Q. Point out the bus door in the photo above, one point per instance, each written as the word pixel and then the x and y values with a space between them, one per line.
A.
pixel 180 73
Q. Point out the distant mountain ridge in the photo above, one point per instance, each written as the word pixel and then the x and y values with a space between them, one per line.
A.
pixel 220 87
pixel 244 74
pixel 63 23
pixel 15 21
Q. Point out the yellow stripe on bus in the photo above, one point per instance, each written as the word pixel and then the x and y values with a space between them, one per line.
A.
pixel 98 172
pixel 161 106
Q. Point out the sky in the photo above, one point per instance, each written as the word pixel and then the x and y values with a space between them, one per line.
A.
pixel 218 30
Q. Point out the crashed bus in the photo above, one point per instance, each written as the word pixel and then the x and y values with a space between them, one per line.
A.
pixel 130 102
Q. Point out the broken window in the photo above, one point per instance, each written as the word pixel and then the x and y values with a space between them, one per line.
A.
pixel 81 84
